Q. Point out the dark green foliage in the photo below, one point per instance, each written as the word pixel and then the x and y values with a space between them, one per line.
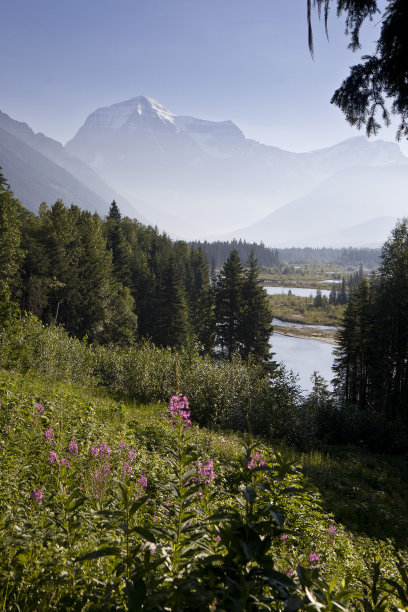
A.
pixel 11 253
pixel 256 316
pixel 218 252
pixel 372 359
pixel 380 77
pixel 229 305
pixel 170 326
pixel 242 313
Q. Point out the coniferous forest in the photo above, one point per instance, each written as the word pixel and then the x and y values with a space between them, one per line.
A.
pixel 116 281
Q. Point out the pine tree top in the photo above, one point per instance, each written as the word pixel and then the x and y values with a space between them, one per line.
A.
pixel 114 212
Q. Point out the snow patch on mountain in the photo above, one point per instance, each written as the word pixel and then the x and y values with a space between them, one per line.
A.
pixel 129 113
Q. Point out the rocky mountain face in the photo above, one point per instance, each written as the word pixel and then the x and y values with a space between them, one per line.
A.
pixel 204 178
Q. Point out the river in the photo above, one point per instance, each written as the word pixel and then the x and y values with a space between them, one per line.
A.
pixel 303 357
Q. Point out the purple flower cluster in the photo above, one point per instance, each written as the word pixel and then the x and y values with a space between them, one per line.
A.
pixel 257 460
pixel 126 470
pixel 36 496
pixel 65 463
pixel 332 529
pixel 49 434
pixel 206 470
pixel 179 411
pixel 39 409
pixel 142 482
pixel 132 454
pixel 313 557
pixel 104 450
pixel 52 457
pixel 72 448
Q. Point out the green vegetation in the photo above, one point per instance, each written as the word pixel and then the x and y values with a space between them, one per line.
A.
pixel 108 501
pixel 372 358
pixel 109 505
pixel 303 310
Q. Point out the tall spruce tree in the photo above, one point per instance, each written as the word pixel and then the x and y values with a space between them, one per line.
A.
pixel 256 325
pixel 229 305
pixel 171 326
pixel 354 361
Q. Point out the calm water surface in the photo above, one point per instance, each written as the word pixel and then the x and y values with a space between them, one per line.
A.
pixel 303 357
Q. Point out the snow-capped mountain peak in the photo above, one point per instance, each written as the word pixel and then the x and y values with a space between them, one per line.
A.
pixel 129 113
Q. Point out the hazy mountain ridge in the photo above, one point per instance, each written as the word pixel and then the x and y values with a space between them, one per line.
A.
pixel 197 178
pixel 35 179
pixel 205 173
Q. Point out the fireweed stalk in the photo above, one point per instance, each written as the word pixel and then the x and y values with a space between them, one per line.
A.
pixel 185 490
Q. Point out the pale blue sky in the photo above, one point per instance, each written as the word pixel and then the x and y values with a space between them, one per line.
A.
pixel 216 59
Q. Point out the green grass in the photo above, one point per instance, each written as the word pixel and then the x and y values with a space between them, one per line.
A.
pixel 298 309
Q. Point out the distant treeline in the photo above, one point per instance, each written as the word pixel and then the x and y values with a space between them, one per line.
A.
pixel 343 256
pixel 218 252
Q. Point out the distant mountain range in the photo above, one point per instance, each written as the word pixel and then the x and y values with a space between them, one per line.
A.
pixel 203 179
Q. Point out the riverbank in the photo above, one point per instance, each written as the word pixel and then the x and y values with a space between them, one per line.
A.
pixel 319 335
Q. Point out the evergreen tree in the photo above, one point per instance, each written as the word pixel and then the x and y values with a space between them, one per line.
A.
pixel 393 314
pixel 11 253
pixel 171 327
pixel 256 326
pixel 372 358
pixel 120 247
pixel 114 212
pixel 229 305
pixel 200 300
pixel 354 363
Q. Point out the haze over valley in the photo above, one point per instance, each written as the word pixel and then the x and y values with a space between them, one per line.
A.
pixel 199 179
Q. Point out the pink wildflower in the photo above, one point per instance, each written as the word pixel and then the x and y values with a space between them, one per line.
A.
pixel 257 460
pixel 313 557
pixel 49 434
pixel 122 445
pixel 332 529
pixel 73 448
pixel 289 572
pixel 65 463
pixel 94 451
pixel 206 470
pixel 104 450
pixel 179 408
pixel 132 454
pixel 52 457
pixel 126 470
pixel 36 496
pixel 142 482
pixel 284 537
pixel 39 409
pixel 8 429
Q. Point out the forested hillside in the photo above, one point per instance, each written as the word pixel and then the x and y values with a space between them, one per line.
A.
pixel 116 280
